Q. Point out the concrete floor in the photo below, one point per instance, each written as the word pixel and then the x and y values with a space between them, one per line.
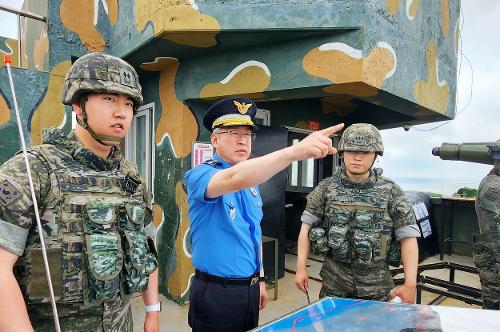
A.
pixel 174 317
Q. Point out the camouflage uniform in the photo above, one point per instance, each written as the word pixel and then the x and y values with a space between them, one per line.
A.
pixel 95 213
pixel 358 225
pixel 486 248
pixel 361 223
pixel 96 223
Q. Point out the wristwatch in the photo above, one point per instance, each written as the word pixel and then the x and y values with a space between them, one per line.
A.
pixel 152 307
pixel 262 279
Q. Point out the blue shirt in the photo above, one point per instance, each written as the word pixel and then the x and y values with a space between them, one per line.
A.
pixel 225 231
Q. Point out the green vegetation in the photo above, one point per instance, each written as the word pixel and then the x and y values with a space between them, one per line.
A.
pixel 466 192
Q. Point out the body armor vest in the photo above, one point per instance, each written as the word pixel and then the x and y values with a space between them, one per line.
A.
pixel 356 226
pixel 94 233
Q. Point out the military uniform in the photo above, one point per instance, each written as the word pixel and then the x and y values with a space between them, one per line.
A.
pixel 486 247
pixel 358 225
pixel 96 216
pixel 362 225
pixel 96 221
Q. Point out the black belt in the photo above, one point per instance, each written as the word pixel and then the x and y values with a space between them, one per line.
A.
pixel 204 276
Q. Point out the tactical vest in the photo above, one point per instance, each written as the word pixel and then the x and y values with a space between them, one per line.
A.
pixel 94 234
pixel 356 226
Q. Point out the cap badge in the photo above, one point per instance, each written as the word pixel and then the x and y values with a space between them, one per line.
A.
pixel 126 77
pixel 359 139
pixel 242 107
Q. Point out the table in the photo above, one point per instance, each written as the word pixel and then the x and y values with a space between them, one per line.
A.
pixel 336 314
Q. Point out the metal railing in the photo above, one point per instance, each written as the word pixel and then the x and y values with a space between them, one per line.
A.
pixel 20 14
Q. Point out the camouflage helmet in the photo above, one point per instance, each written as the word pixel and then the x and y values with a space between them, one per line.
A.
pixel 99 72
pixel 362 137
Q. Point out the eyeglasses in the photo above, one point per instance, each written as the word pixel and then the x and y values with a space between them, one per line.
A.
pixel 236 134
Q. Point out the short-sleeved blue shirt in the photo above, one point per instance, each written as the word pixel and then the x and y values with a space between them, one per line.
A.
pixel 225 231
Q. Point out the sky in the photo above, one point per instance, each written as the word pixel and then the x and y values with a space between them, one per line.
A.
pixel 407 158
pixel 8 21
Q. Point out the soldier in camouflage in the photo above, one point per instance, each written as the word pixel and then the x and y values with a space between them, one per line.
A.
pixel 95 212
pixel 486 247
pixel 362 223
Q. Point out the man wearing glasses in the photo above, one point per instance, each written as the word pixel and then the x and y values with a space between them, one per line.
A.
pixel 225 210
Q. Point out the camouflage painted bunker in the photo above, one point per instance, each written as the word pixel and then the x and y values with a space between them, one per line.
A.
pixel 387 62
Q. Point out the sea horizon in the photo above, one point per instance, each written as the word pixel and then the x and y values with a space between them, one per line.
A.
pixel 443 186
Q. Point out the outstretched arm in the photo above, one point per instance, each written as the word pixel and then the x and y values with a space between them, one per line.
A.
pixel 244 175
pixel 13 313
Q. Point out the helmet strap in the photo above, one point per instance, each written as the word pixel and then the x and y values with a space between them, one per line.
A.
pixel 82 118
pixel 82 121
pixel 374 159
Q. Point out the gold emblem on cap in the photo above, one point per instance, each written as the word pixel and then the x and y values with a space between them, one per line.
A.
pixel 242 107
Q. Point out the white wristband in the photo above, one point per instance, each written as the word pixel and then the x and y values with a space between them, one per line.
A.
pixel 152 307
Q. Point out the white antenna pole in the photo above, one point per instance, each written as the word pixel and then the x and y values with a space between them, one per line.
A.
pixel 7 61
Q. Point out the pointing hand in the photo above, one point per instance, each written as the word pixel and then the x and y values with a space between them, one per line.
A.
pixel 317 145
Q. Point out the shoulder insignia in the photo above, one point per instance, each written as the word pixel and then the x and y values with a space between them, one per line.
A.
pixel 8 193
pixel 254 191
pixel 212 162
